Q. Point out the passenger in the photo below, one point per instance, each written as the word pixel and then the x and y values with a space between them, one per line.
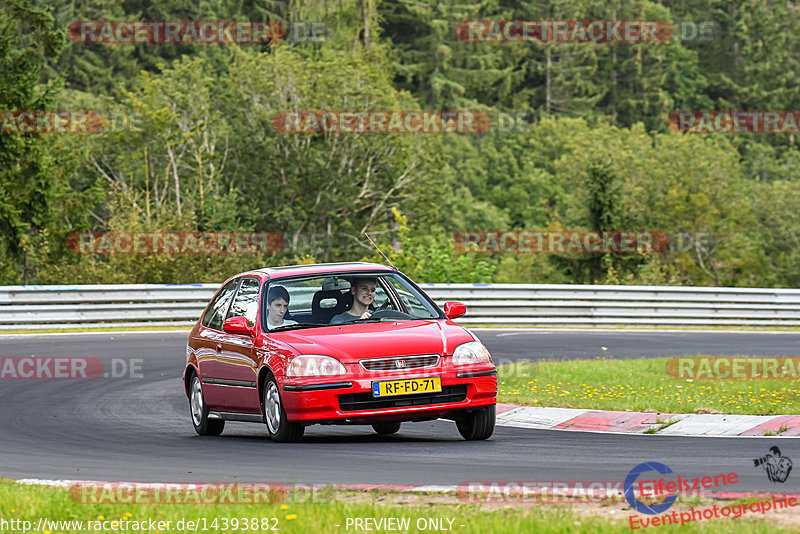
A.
pixel 277 306
pixel 363 291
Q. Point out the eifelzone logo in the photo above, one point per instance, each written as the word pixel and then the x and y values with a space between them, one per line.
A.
pixel 667 488
pixel 630 496
pixel 777 466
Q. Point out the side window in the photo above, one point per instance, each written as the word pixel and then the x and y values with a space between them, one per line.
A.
pixel 215 314
pixel 246 302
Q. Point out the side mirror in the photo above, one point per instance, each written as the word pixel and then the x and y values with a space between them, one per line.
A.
pixel 238 326
pixel 453 309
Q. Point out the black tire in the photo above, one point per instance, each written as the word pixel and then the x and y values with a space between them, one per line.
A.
pixel 199 411
pixel 279 428
pixel 478 424
pixel 385 429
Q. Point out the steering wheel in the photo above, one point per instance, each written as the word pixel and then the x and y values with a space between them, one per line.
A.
pixel 389 314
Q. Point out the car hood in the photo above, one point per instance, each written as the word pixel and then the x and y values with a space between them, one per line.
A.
pixel 350 343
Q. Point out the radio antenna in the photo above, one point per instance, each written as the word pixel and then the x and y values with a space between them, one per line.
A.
pixel 379 250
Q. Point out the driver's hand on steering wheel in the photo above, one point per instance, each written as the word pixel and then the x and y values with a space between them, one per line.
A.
pixel 366 315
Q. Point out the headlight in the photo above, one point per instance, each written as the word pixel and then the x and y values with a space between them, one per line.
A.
pixel 314 365
pixel 472 352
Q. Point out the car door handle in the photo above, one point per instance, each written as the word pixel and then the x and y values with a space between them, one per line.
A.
pixel 219 348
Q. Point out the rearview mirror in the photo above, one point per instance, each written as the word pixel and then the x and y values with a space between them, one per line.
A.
pixel 238 326
pixel 453 309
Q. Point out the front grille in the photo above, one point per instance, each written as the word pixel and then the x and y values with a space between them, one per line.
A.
pixel 365 401
pixel 400 362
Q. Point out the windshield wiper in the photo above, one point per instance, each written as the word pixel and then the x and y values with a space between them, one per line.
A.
pixel 375 320
pixel 296 326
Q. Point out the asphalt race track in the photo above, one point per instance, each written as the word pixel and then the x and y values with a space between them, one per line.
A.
pixel 138 429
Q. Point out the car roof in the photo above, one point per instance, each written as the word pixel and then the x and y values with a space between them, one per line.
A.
pixel 322 268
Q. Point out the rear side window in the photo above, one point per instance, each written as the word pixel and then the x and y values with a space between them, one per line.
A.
pixel 246 302
pixel 215 314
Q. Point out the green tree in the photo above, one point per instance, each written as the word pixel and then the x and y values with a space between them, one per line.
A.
pixel 433 259
pixel 31 177
pixel 98 69
pixel 440 70
pixel 205 155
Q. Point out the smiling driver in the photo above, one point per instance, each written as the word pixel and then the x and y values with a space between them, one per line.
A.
pixel 363 290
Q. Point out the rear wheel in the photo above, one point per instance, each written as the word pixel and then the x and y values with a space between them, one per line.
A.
pixel 478 424
pixel 202 424
pixel 386 428
pixel 280 430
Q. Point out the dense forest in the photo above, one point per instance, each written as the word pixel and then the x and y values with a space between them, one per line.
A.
pixel 580 140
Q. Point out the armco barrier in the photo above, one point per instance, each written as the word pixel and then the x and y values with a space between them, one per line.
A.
pixel 90 306
pixel 39 307
pixel 601 305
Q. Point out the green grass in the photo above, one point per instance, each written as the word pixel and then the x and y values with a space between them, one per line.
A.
pixel 661 425
pixel 30 503
pixel 781 430
pixel 640 385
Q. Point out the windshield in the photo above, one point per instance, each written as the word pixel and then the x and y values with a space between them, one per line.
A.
pixel 343 299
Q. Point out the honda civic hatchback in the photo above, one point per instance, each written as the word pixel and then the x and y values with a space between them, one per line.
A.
pixel 342 343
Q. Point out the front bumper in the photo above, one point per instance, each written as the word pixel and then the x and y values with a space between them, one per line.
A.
pixel 349 399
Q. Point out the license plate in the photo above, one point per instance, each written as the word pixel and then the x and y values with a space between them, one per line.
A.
pixel 406 387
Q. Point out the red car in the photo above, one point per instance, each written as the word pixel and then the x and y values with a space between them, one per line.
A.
pixel 340 343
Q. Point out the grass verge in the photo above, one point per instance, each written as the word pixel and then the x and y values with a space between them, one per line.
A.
pixel 34 503
pixel 641 386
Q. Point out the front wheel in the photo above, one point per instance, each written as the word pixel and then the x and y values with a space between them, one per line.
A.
pixel 280 430
pixel 385 429
pixel 478 424
pixel 202 424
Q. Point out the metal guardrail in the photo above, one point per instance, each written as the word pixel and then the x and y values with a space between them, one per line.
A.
pixel 95 306
pixel 606 305
pixel 87 306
